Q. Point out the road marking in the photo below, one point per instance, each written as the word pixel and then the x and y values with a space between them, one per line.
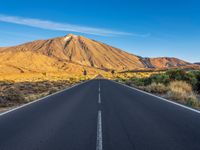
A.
pixel 99 87
pixel 99 144
pixel 24 105
pixel 161 98
pixel 99 100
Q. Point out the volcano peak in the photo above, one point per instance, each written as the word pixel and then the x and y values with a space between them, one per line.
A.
pixel 80 51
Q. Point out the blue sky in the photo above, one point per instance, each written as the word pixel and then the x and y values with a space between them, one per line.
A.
pixel 149 28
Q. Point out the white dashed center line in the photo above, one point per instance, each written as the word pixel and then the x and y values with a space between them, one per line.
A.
pixel 99 144
pixel 99 99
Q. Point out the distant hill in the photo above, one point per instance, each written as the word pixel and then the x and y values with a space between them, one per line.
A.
pixel 164 62
pixel 73 53
pixel 198 63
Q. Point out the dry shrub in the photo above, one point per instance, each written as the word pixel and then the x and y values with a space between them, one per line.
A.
pixel 128 82
pixel 182 92
pixel 54 90
pixel 193 101
pixel 32 97
pixel 157 88
pixel 11 96
pixel 181 85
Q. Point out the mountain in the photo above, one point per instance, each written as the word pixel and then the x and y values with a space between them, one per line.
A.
pixel 198 63
pixel 80 50
pixel 164 62
pixel 73 53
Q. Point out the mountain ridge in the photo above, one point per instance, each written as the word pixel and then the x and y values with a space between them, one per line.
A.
pixel 77 50
pixel 197 63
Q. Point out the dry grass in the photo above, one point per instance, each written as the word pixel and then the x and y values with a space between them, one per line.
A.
pixel 179 91
pixel 36 77
pixel 10 96
pixel 181 86
pixel 156 88
pixel 21 88
pixel 182 92
pixel 15 93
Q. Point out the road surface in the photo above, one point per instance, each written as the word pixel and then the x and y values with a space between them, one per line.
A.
pixel 100 115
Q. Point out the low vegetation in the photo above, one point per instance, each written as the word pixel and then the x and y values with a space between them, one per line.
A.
pixel 177 84
pixel 20 88
pixel 12 93
pixel 156 88
pixel 182 92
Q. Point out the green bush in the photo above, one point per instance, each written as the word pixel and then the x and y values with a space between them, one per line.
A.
pixel 181 75
pixel 160 78
pixel 138 81
pixel 197 76
pixel 192 102
pixel 156 78
pixel 176 74
pixel 191 78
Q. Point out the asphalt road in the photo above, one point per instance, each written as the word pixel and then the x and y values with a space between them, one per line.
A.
pixel 100 115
